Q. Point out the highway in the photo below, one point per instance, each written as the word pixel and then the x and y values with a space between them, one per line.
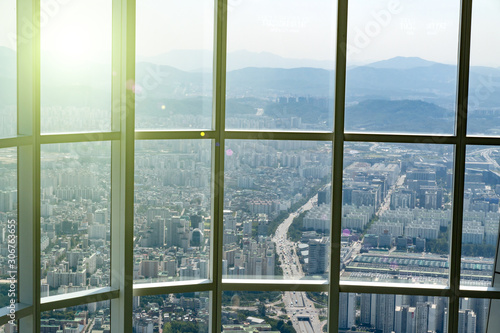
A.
pixel 299 308
pixel 387 200
pixel 485 153
pixel 160 321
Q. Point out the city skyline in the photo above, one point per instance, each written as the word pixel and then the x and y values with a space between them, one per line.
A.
pixel 392 193
pixel 236 202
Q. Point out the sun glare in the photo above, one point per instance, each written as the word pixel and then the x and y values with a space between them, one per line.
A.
pixel 72 45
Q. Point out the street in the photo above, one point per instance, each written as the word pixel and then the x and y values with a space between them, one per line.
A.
pixel 299 308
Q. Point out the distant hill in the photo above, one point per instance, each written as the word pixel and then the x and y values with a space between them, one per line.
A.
pixel 243 59
pixel 399 116
pixel 374 115
pixel 278 81
pixel 402 63
pixel 434 83
pixel 202 60
pixel 185 60
pixel 414 93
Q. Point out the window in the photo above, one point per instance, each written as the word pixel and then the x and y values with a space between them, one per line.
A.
pixel 217 166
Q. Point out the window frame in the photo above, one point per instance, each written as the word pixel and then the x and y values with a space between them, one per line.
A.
pixel 123 136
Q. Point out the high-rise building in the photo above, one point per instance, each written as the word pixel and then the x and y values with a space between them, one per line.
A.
pixel 365 308
pixel 347 310
pixel 149 268
pixel 318 254
pixel 405 319
pixel 385 312
pixel 466 321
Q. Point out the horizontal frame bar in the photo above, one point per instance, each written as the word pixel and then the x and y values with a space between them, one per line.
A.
pixel 479 292
pixel 78 298
pixel 179 287
pixel 394 288
pixel 312 285
pixel 22 310
pixel 286 135
pixel 248 135
pixel 174 135
pixel 273 285
pixel 79 137
pixel 102 294
pixel 14 142
pixel 478 140
pixel 400 138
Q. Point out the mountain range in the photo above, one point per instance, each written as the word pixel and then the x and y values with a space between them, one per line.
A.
pixel 408 91
pixel 202 60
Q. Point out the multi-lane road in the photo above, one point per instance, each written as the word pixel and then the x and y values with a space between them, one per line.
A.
pixel 299 308
pixel 485 153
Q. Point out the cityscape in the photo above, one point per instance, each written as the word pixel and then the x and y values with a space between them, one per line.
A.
pixel 277 218
pixel 396 219
pixel 246 202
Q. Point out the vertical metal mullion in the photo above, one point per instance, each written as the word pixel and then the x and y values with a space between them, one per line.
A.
pixel 36 166
pixel 122 163
pixel 28 161
pixel 117 234
pixel 218 158
pixel 338 165
pixel 492 321
pixel 460 156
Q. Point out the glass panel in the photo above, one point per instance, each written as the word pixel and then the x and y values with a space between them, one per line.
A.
pixel 484 81
pixel 277 209
pixel 8 69
pixel 396 215
pixel 174 63
pixel 75 66
pixel 75 215
pixel 280 62
pixel 8 227
pixel 481 215
pixel 393 313
pixel 402 66
pixel 173 210
pixel 290 311
pixel 188 312
pixel 88 318
pixel 473 315
pixel 9 328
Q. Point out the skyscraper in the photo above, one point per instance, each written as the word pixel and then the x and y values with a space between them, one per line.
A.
pixel 386 308
pixel 347 310
pixel 466 321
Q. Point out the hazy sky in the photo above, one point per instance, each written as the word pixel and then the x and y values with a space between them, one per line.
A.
pixel 77 29
pixel 289 28
pixel 381 29
pixel 164 26
pixel 485 43
pixel 7 23
pixel 378 29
